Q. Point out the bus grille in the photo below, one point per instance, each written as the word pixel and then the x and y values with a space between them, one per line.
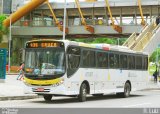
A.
pixel 41 85
pixel 40 90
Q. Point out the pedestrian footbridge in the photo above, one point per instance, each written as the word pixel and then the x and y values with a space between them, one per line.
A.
pixel 105 17
pixel 39 18
pixel 147 40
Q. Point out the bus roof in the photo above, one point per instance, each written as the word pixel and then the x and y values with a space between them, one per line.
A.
pixel 102 46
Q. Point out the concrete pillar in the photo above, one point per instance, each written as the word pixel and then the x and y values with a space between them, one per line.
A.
pixel 67 18
pixel 106 16
pixel 135 15
pixel 121 17
pixel 93 18
pixel 150 14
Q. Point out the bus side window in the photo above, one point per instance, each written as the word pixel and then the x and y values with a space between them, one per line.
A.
pixel 73 57
pixel 116 60
pixel 123 61
pixel 145 63
pixel 139 62
pixel 88 59
pixel 102 60
pixel 113 60
pixel 131 62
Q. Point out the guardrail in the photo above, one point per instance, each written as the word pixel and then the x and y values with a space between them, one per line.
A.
pixel 130 40
pixel 145 39
pixel 142 43
pixel 75 22
pixel 147 29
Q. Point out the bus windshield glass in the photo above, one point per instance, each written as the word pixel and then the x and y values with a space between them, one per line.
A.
pixel 44 61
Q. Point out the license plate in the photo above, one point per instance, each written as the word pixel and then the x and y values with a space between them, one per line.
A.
pixel 40 89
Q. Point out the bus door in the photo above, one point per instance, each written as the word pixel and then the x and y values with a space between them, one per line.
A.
pixel 89 67
pixel 73 72
pixel 101 81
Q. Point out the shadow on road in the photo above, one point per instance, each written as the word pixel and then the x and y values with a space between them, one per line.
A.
pixel 68 100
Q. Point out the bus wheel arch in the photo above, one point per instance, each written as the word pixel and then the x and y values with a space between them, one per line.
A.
pixel 127 90
pixel 88 86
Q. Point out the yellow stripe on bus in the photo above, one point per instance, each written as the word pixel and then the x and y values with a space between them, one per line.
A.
pixel 42 82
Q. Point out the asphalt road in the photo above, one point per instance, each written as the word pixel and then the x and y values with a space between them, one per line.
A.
pixel 139 99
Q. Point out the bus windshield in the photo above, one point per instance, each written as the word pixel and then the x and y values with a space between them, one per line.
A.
pixel 44 61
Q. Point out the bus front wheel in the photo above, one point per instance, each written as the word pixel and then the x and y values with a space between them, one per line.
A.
pixel 47 97
pixel 83 93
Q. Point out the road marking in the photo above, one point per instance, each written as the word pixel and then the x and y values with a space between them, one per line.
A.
pixel 135 105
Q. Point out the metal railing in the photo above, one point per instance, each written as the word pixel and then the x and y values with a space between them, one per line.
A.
pixel 51 23
pixel 142 43
pixel 130 40
pixel 147 29
pixel 35 23
pixel 146 39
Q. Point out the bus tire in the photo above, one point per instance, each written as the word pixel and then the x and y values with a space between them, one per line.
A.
pixel 127 90
pixel 83 93
pixel 47 97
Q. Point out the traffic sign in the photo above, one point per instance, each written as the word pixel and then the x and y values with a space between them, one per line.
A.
pixel 2 63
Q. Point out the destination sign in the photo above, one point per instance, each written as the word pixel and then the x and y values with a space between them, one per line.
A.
pixel 44 44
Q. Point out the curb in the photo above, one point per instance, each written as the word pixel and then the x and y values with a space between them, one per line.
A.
pixel 18 97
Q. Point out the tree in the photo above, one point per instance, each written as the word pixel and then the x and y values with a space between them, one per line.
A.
pixel 3 30
pixel 113 41
pixel 155 55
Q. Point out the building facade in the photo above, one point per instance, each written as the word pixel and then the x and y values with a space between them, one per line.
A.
pixel 7 8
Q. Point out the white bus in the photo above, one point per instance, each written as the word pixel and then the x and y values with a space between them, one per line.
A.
pixel 62 67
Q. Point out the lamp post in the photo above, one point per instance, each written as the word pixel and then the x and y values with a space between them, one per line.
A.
pixel 2 7
pixel 64 21
pixel 9 50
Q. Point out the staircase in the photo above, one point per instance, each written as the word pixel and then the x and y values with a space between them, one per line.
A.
pixel 146 41
pixel 151 42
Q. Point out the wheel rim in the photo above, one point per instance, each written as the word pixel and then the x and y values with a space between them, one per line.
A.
pixel 84 92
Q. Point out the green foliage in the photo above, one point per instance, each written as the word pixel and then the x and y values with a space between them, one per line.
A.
pixel 155 55
pixel 3 30
pixel 105 40
pixel 152 69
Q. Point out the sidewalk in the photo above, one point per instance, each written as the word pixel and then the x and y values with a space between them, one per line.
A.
pixel 12 89
pixel 153 86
